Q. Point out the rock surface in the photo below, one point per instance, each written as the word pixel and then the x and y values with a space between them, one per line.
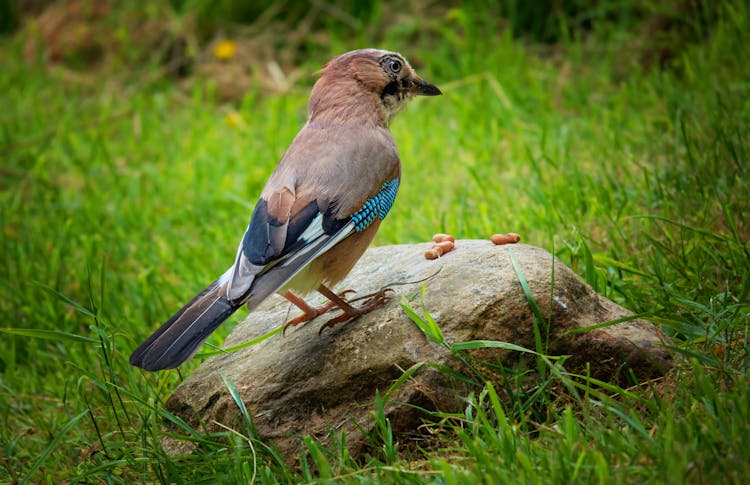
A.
pixel 302 383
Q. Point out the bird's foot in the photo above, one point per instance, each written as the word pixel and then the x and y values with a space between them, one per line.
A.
pixel 310 312
pixel 372 301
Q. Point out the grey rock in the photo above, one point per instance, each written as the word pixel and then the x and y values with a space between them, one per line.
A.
pixel 303 383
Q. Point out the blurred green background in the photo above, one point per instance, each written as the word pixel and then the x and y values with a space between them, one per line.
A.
pixel 135 138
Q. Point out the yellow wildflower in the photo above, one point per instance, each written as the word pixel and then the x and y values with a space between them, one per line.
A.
pixel 225 50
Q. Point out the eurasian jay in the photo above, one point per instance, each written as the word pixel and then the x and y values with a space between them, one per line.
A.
pixel 319 210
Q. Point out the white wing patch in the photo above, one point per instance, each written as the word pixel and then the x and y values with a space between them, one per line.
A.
pixel 314 230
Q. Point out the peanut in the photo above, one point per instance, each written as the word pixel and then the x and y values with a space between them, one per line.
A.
pixel 439 237
pixel 444 246
pixel 438 249
pixel 431 254
pixel 510 238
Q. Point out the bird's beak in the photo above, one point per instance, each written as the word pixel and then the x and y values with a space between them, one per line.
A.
pixel 423 88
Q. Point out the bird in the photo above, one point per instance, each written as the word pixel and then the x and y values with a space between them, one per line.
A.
pixel 318 211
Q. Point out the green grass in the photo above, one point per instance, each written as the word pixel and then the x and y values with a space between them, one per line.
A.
pixel 118 201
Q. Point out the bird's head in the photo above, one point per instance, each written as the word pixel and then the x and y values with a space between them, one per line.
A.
pixel 378 80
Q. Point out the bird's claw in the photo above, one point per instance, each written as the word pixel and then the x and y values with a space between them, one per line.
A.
pixel 372 301
pixel 313 313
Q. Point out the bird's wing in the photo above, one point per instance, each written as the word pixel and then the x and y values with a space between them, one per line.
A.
pixel 273 251
pixel 281 228
pixel 315 199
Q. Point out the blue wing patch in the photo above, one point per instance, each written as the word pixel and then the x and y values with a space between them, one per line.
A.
pixel 268 239
pixel 377 206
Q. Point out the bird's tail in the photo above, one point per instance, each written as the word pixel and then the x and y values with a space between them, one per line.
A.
pixel 176 341
pixel 180 336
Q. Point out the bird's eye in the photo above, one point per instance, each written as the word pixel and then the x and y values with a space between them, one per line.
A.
pixel 395 66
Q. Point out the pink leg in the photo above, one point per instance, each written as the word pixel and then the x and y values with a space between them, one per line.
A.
pixel 310 312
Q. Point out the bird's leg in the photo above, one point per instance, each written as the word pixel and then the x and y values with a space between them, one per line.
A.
pixel 310 312
pixel 350 313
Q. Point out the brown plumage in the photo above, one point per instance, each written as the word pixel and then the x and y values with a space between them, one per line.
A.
pixel 319 210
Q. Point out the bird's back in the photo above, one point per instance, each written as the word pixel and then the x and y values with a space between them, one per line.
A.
pixel 342 165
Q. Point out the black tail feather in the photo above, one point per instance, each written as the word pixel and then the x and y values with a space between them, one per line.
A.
pixel 180 336
pixel 176 341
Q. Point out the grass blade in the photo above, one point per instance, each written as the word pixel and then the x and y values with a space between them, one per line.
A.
pixel 232 388
pixel 53 444
pixel 55 335
pixel 608 323
pixel 538 317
